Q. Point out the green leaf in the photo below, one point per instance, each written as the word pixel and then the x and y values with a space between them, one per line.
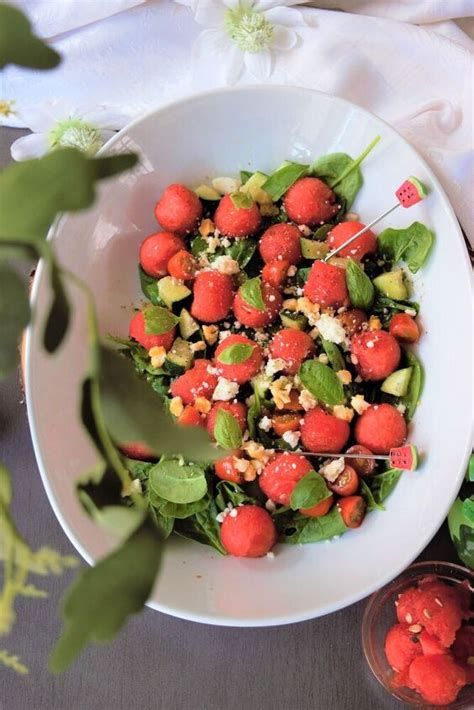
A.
pixel 415 386
pixel 178 510
pixel 61 181
pixel 202 527
pixel 283 178
pixel 158 320
pixel 14 316
pixel 251 293
pixel 242 250
pixel 235 354
pixel 470 470
pixel 18 45
pixel 360 287
pixel 228 492
pixel 57 321
pixel 103 597
pixel 302 530
pixel 335 357
pixel 242 200
pixel 198 245
pixel 227 430
pixel 322 382
pixel 468 509
pixel 411 245
pixel 244 176
pixel 309 491
pixel 178 483
pixel 134 412
pixel 368 496
pixel 6 491
pixel 149 286
pixel 382 484
pixel 164 524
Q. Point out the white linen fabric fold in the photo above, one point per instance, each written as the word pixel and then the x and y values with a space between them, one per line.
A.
pixel 124 57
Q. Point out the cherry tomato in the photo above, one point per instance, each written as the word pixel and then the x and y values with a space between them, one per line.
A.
pixel 285 422
pixel 318 510
pixel 182 265
pixel 347 483
pixel 352 510
pixel 364 467
pixel 352 320
pixel 404 328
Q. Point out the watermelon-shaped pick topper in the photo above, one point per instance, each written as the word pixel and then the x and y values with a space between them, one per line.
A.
pixel 404 457
pixel 411 192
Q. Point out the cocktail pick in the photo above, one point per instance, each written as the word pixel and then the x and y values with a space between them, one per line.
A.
pixel 409 193
pixel 402 457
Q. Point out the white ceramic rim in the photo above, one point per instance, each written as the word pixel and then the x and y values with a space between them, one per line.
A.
pixel 222 620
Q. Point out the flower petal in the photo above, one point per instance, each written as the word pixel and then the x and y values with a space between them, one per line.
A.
pixel 33 146
pixel 284 16
pixel 261 5
pixel 259 64
pixel 211 42
pixel 106 118
pixel 284 38
pixel 210 13
pixel 233 65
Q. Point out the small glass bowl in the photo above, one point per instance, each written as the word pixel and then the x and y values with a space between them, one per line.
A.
pixel 380 615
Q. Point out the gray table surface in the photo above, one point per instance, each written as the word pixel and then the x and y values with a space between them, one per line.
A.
pixel 160 662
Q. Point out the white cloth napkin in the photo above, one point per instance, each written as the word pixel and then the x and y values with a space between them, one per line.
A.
pixel 123 57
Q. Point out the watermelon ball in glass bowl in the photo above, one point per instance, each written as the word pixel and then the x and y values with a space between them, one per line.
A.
pixel 414 634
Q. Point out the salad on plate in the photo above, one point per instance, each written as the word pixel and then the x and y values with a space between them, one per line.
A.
pixel 288 356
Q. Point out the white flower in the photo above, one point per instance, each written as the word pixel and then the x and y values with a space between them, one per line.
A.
pixel 57 124
pixel 245 33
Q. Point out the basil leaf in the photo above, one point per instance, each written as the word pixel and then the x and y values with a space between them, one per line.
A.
pixel 158 320
pixel 228 492
pixel 149 286
pixel 227 430
pixel 283 178
pixel 251 293
pixel 309 491
pixel 242 200
pixel 302 530
pixel 369 497
pixel 242 250
pixel 18 45
pixel 14 316
pixel 335 357
pixel 202 527
pixel 415 386
pixel 236 353
pixel 382 484
pixel 176 483
pixel 412 244
pixel 322 382
pixel 102 597
pixel 360 287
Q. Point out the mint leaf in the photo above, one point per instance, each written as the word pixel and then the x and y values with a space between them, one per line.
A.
pixel 360 287
pixel 309 491
pixel 227 430
pixel 251 293
pixel 176 483
pixel 14 316
pixel 18 45
pixel 322 382
pixel 235 354
pixel 103 597
pixel 158 320
pixel 411 245
pixel 283 178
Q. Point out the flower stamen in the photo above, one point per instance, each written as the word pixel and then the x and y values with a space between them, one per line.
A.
pixel 250 30
pixel 75 133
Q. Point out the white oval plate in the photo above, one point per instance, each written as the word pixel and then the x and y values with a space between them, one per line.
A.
pixel 218 134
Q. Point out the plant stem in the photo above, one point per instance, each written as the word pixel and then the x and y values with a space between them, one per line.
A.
pixel 355 163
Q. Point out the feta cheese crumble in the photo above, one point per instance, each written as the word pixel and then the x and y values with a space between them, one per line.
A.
pixel 225 390
pixel 332 330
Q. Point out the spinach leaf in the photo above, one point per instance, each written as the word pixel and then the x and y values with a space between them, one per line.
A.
pixel 253 414
pixel 235 354
pixel 386 307
pixel 149 286
pixel 309 491
pixel 178 483
pixel 412 244
pixel 139 469
pixel 368 496
pixel 251 293
pixel 163 524
pixel 242 200
pixel 177 510
pixel 382 484
pixel 242 250
pixel 302 530
pixel 198 245
pixel 302 275
pixel 202 527
pixel 227 430
pixel 415 386
pixel 14 316
pixel 360 287
pixel 228 492
pixel 283 178
pixel 322 382
pixel 102 597
pixel 322 232
pixel 335 357
pixel 158 320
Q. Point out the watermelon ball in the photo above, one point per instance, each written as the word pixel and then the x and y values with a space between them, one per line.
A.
pixel 430 645
pixel 282 242
pixel 156 251
pixel 275 272
pixel 401 647
pixel 438 679
pixel 137 450
pixel 191 417
pixel 240 372
pixel 196 382
pixel 352 320
pixel 365 244
pixel 377 353
pixel 293 346
pixel 406 606
pixel 252 317
pixel 463 650
pixel 236 221
pixel 324 432
pixel 213 293
pixel 183 266
pixel 226 470
pixel 439 609
pixel 326 285
pixel 237 409
pixel 381 428
pixel 136 330
pixel 310 201
pixel 248 531
pixel 281 474
pixel 179 209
